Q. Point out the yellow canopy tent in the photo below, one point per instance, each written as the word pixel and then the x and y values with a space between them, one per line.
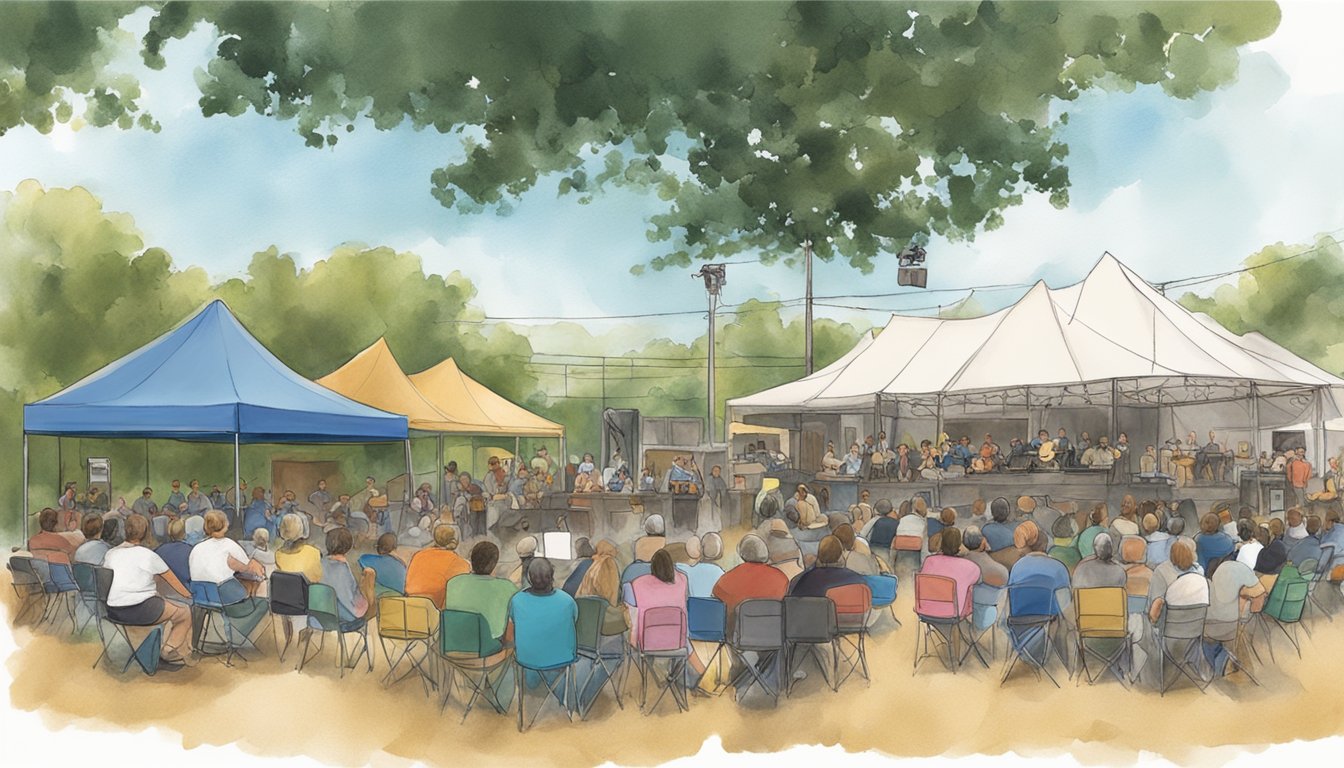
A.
pixel 466 400
pixel 373 377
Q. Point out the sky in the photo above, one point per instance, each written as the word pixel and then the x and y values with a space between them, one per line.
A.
pixel 1173 188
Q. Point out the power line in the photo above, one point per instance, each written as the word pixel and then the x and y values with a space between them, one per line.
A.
pixel 1185 282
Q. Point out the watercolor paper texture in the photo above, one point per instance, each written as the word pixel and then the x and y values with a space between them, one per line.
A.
pixel 667 382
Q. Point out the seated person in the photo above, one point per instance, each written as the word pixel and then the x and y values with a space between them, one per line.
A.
pixel 857 556
pixel 862 512
pixel 999 533
pixel 481 591
pixel 47 544
pixel 904 468
pixel 258 514
pixel 1100 519
pixel 1308 548
pixel 538 611
pixel 646 482
pixel 1211 543
pixel 827 573
pixel 853 461
pixel 1100 569
pixel 784 552
pixel 219 560
pixel 134 598
pixel 94 546
pixel 683 477
pixel 295 554
pixel 809 509
pixel 354 598
pixel 526 549
pixel 654 538
pixel 662 586
pixel 753 579
pixel 882 530
pixel 390 571
pixel 176 552
pixel 432 568
pixel 829 461
pixel 947 562
pixel 620 482
pixel 703 572
pixel 1148 461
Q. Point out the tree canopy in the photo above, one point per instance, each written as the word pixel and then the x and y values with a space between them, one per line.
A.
pixel 854 126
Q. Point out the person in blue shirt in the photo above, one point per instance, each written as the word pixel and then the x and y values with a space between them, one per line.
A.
pixel 827 573
pixel 258 514
pixel 543 617
pixel 583 552
pixel 389 570
pixel 1212 543
pixel 962 452
pixel 176 551
pixel 703 572
pixel 999 533
pixel 621 480
pixel 853 461
pixel 885 521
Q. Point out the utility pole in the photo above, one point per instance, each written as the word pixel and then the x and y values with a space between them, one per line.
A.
pixel 714 276
pixel 807 313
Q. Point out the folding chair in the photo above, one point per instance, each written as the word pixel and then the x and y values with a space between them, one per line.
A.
pixel 559 654
pixel 809 622
pixel 1284 607
pixel 663 635
pixel 27 585
pixel 1229 635
pixel 465 646
pixel 1180 635
pixel 758 628
pixel 288 595
pixel 940 616
pixel 592 612
pixel 1033 614
pixel 707 622
pixel 907 543
pixel 206 599
pixel 58 581
pixel 1103 617
pixel 985 601
pixel 410 622
pixel 159 526
pixel 87 581
pixel 146 654
pixel 883 587
pixel 324 610
pixel 853 607
pixel 1320 574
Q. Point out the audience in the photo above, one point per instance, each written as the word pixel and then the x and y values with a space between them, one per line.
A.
pixel 663 586
pixel 1099 569
pixel 948 563
pixel 432 568
pixel 176 552
pixel 785 553
pixel 94 547
pixel 1212 543
pixel 827 573
pixel 999 533
pixel 526 549
pixel 754 578
pixel 390 572
pixel 583 560
pixel 47 544
pixel 654 538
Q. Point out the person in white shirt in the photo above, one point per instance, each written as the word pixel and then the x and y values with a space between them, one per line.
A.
pixel 221 561
pixel 134 598
pixel 1250 547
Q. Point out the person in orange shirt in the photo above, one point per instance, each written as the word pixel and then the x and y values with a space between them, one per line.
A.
pixel 1299 472
pixel 431 568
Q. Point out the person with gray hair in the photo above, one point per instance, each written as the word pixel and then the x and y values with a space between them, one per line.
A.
pixel 654 538
pixel 992 572
pixel 703 573
pixel 753 579
pixel 1099 569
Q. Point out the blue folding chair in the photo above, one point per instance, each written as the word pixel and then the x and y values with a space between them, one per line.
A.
pixel 707 622
pixel 208 602
pixel 545 645
pixel 58 582
pixel 883 587
pixel 27 586
pixel 1033 613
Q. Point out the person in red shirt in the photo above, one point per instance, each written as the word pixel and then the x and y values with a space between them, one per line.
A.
pixel 431 568
pixel 47 543
pixel 753 579
pixel 1299 472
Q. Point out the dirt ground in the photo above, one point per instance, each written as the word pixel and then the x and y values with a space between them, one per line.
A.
pixel 356 721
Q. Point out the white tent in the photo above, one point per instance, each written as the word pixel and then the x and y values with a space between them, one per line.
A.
pixel 1111 326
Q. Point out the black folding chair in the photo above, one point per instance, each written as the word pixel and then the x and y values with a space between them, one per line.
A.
pixel 1321 574
pixel 146 654
pixel 809 625
pixel 27 585
pixel 288 594
pixel 1180 636
pixel 758 628
pixel 592 612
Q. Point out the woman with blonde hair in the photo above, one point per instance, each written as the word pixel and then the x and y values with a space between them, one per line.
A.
pixel 295 554
pixel 603 580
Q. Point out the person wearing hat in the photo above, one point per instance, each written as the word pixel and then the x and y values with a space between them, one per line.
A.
pixel 526 548
pixel 703 571
pixel 783 549
pixel 431 568
pixel 654 538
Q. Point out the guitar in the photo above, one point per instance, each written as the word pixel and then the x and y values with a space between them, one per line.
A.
pixel 1046 453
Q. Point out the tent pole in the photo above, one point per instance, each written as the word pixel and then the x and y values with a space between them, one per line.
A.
pixel 938 423
pixel 564 464
pixel 440 470
pixel 237 480
pixel 60 468
pixel 410 482
pixel 877 416
pixel 25 489
pixel 517 452
pixel 235 498
pixel 1320 446
pixel 1255 448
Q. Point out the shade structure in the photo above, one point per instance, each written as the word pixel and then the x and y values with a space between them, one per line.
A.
pixel 1111 326
pixel 485 413
pixel 209 380
pixel 374 377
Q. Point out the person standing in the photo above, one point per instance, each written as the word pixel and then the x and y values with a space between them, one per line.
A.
pixel 321 500
pixel 1299 472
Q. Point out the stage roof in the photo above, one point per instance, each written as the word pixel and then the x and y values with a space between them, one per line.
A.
pixel 466 400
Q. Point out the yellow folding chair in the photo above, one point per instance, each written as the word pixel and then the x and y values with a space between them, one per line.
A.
pixel 1103 618
pixel 411 623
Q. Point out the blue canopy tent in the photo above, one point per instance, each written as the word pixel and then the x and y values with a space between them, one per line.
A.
pixel 206 380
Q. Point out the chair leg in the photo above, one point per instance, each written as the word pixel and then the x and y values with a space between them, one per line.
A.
pixel 521 701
